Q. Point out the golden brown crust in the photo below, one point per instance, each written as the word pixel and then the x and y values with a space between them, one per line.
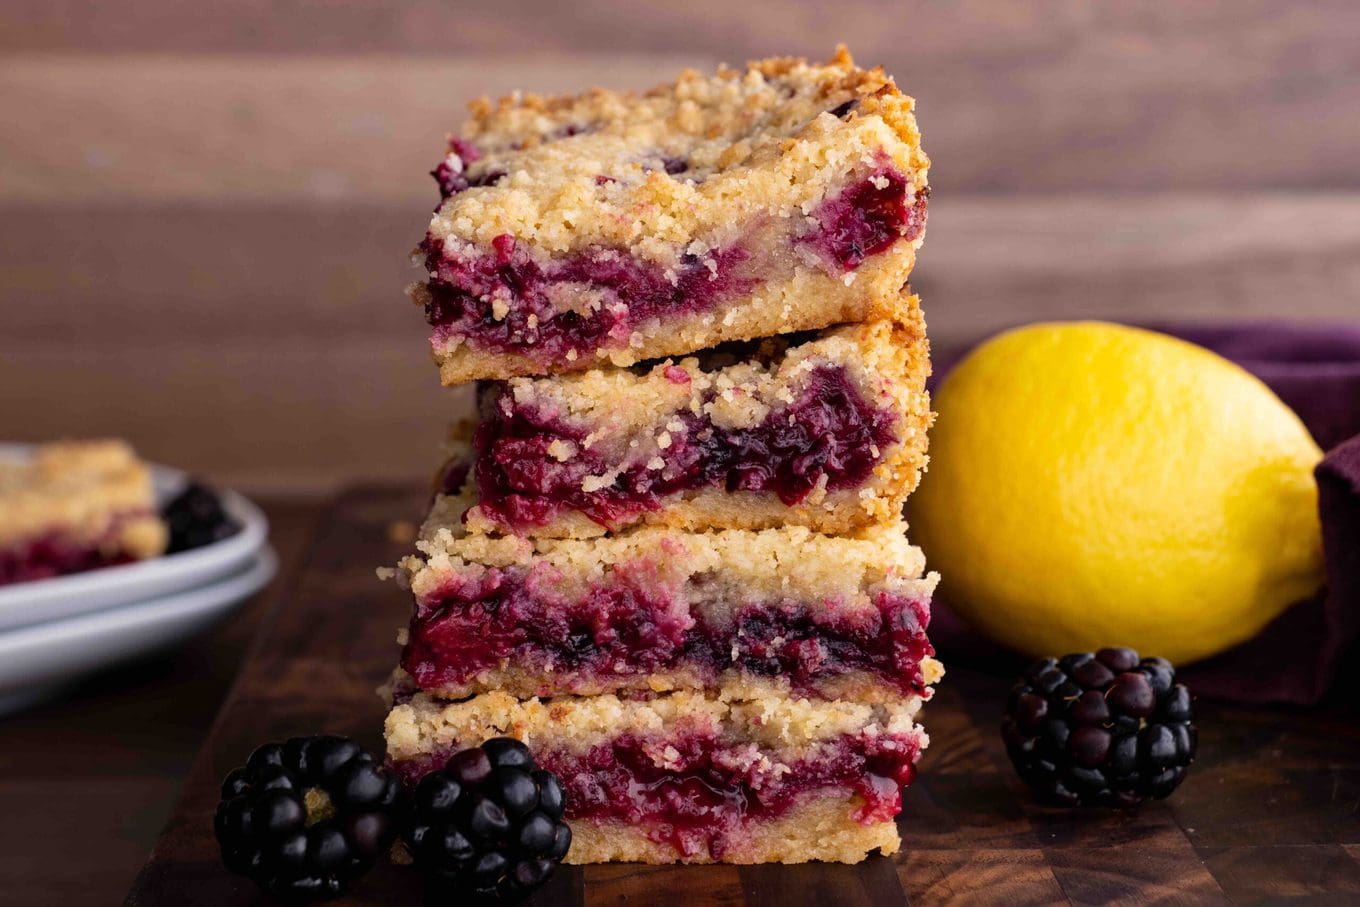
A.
pixel 808 300
pixel 851 686
pixel 821 828
pixel 781 726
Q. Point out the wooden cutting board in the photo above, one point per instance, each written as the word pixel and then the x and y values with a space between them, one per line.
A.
pixel 1270 811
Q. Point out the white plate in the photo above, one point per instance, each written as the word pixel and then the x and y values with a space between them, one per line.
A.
pixel 33 659
pixel 39 601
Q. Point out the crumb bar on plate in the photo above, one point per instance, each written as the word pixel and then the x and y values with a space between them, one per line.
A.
pixel 73 506
pixel 615 227
pixel 825 430
pixel 748 613
pixel 685 777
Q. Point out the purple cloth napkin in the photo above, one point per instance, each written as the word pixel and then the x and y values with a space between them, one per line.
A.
pixel 1296 659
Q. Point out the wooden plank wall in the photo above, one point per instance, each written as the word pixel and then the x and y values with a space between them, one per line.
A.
pixel 205 208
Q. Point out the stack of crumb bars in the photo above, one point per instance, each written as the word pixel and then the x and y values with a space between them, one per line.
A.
pixel 669 555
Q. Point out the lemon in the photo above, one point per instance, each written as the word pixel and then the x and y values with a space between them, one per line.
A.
pixel 1096 485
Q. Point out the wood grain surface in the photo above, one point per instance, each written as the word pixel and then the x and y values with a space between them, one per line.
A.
pixel 1270 812
pixel 205 210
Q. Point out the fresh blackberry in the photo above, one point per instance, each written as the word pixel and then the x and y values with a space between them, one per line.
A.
pixel 306 817
pixel 1102 729
pixel 489 824
pixel 196 518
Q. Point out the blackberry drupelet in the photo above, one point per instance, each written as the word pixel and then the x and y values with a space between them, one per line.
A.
pixel 306 817
pixel 196 518
pixel 489 824
pixel 1102 729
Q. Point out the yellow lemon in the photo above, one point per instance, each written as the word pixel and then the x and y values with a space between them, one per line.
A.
pixel 1097 485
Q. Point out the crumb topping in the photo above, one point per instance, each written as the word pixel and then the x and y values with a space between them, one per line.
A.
pixel 669 171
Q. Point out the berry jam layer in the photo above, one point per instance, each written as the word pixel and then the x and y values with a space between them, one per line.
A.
pixel 826 431
pixel 686 778
pixel 55 555
pixel 751 613
pixel 75 506
pixel 614 227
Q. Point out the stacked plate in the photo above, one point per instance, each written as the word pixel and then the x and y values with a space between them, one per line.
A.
pixel 52 631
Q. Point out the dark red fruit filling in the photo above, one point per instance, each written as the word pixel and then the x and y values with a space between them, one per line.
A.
pixel 475 623
pixel 633 626
pixel 53 555
pixel 705 796
pixel 829 432
pixel 451 182
pixel 864 219
pixel 632 291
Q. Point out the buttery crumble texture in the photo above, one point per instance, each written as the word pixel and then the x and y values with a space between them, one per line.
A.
pixel 738 160
pixel 768 133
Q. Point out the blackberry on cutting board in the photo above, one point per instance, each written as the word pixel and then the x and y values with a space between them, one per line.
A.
pixel 1102 729
pixel 306 817
pixel 489 823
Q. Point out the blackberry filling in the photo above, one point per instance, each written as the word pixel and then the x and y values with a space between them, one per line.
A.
pixel 864 219
pixel 452 181
pixel 632 626
pixel 58 554
pixel 53 555
pixel 708 791
pixel 465 294
pixel 829 433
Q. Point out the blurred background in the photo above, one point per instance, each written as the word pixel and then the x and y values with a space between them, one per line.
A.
pixel 206 209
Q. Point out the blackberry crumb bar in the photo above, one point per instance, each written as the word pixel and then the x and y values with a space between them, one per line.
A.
pixel 778 611
pixel 615 227
pixel 826 431
pixel 689 778
pixel 74 506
